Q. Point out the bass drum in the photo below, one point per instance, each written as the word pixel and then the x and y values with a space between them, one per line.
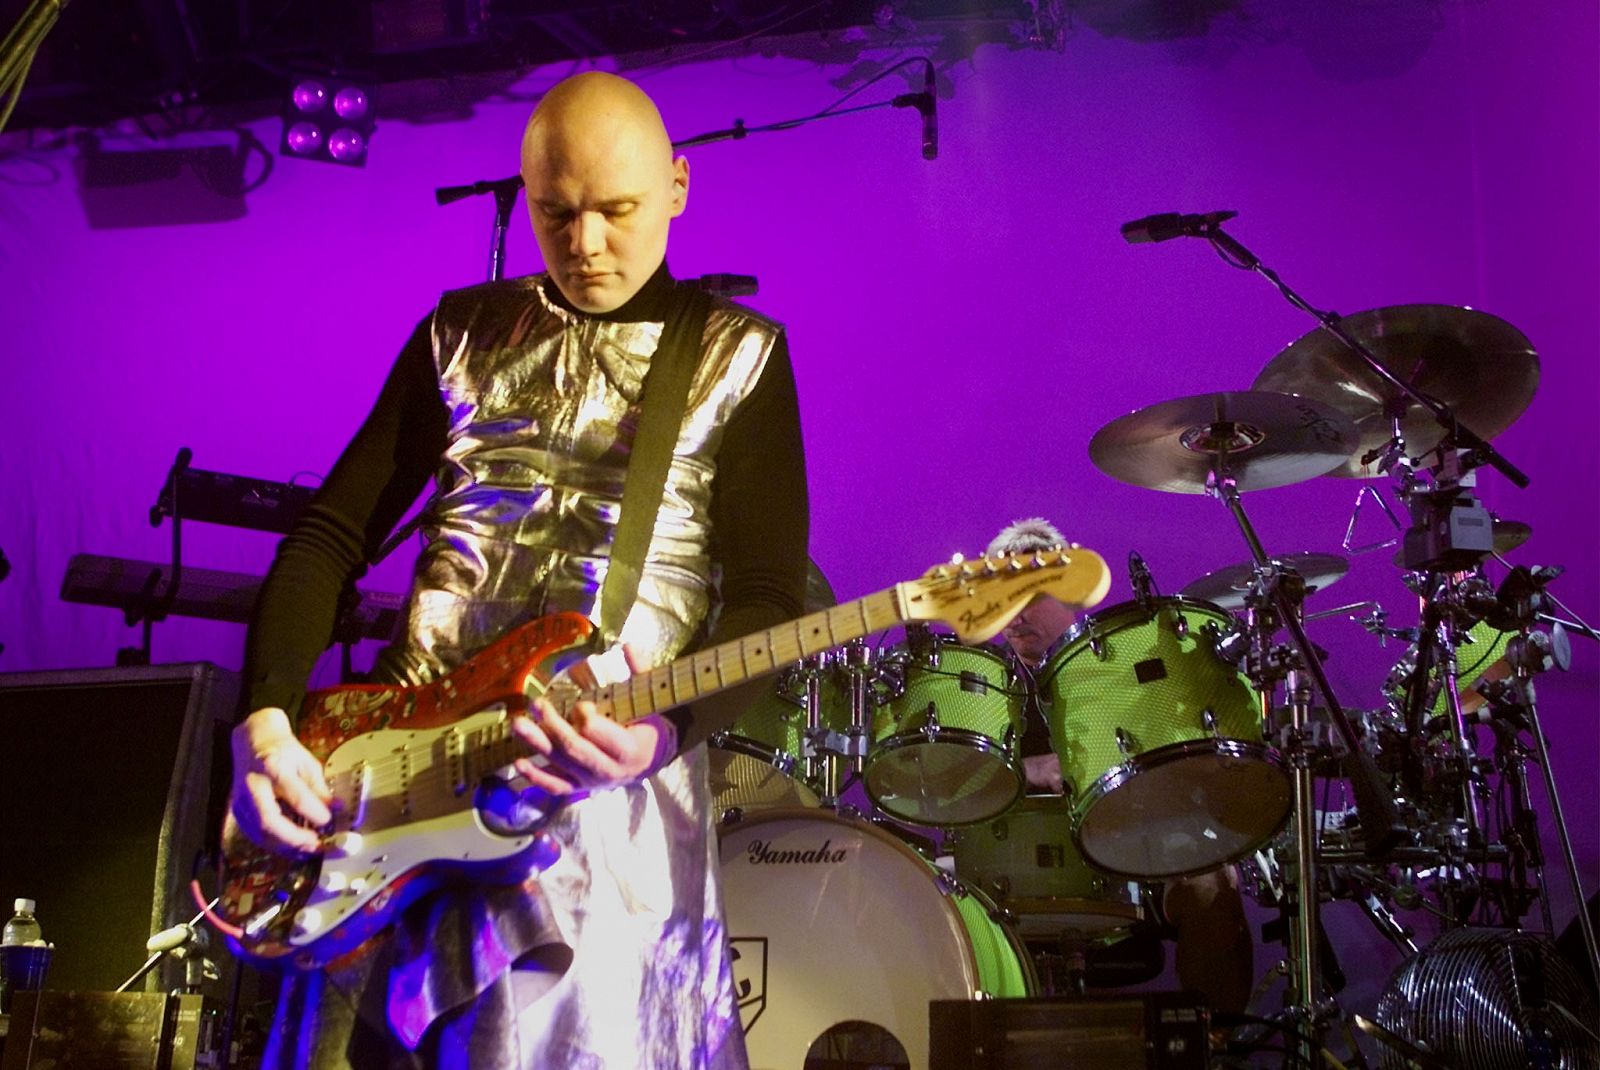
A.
pixel 841 934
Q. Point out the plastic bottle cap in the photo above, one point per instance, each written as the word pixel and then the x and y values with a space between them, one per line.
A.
pixel 24 906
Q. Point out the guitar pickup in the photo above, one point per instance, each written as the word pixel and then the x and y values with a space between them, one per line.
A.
pixel 455 761
pixel 353 790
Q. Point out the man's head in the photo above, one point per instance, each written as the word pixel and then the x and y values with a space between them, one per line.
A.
pixel 602 187
pixel 1044 620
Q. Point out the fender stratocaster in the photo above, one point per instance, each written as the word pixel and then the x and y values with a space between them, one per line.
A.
pixel 412 769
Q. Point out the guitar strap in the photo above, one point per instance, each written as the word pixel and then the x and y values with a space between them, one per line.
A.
pixel 666 394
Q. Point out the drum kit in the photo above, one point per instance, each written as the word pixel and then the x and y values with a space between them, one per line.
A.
pixel 1190 730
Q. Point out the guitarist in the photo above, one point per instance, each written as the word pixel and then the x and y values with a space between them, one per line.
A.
pixel 521 399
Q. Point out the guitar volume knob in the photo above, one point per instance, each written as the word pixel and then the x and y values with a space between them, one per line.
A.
pixel 343 844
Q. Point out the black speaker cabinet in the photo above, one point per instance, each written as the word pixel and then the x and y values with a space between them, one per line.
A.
pixel 109 782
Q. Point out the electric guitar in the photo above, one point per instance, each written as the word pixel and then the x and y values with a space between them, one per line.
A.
pixel 412 769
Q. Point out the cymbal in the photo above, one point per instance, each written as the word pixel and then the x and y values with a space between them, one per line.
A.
pixel 819 592
pixel 1270 440
pixel 1478 364
pixel 1508 535
pixel 1226 586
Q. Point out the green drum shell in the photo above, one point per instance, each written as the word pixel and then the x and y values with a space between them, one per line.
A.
pixel 1128 667
pixel 943 750
pixel 756 762
pixel 971 688
pixel 1027 862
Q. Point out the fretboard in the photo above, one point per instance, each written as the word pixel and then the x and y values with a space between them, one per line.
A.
pixel 733 663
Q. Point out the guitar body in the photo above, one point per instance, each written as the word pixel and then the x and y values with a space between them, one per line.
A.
pixel 405 765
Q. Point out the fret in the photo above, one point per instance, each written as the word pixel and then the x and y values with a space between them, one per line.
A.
pixel 621 700
pixel 640 696
pixel 666 689
pixel 759 646
pixel 705 671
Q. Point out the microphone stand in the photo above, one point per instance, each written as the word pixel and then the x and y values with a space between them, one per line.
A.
pixel 157 957
pixel 505 189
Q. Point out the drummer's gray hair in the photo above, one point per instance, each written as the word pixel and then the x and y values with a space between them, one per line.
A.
pixel 1021 536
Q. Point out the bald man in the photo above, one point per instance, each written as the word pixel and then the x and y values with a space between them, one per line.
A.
pixel 520 399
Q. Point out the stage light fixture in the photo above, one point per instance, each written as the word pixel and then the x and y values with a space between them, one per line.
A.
pixel 328 119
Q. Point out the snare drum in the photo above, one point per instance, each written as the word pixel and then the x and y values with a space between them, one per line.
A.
pixel 1161 741
pixel 841 934
pixel 944 746
pixel 1026 862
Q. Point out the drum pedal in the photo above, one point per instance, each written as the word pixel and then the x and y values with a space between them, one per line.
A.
pixel 1157 1031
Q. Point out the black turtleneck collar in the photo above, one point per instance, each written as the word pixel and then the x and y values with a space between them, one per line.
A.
pixel 650 303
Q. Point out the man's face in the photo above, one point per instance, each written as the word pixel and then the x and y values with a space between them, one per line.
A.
pixel 601 206
pixel 1035 630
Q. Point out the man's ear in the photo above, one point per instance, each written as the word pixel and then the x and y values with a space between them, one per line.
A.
pixel 680 185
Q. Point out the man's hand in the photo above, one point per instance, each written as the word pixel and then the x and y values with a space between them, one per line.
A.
pixel 1043 771
pixel 590 752
pixel 272 770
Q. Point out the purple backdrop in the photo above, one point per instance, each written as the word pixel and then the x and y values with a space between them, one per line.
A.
pixel 960 327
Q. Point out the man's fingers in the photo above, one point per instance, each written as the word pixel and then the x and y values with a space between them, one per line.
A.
pixel 575 750
pixel 543 778
pixel 272 827
pixel 299 788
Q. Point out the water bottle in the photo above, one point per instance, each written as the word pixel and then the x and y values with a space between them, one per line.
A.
pixel 24 956
pixel 23 928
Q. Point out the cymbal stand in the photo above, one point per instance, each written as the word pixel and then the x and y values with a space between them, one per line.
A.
pixel 1277 595
pixel 1528 656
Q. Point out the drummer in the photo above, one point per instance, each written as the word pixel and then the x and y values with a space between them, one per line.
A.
pixel 1202 913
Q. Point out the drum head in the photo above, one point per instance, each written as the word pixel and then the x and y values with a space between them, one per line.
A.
pixel 833 921
pixel 1184 809
pixel 747 778
pixel 957 779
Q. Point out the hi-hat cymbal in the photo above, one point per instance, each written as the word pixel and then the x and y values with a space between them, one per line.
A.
pixel 1226 586
pixel 1479 365
pixel 1508 535
pixel 1265 439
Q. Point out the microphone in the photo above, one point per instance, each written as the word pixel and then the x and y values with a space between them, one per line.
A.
pixel 927 104
pixel 168 940
pixel 1169 225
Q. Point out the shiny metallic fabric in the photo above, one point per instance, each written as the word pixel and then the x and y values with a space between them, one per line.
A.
pixel 542 407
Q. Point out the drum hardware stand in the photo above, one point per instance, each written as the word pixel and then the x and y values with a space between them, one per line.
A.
pixel 1275 601
pixel 1529 657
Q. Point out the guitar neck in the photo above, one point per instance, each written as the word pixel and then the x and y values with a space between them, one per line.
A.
pixel 733 663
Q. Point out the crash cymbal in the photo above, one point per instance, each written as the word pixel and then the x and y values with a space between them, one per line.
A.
pixel 1226 586
pixel 1508 535
pixel 1268 439
pixel 1479 365
pixel 819 592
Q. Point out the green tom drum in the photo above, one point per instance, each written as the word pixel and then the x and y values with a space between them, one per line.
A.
pixel 1161 742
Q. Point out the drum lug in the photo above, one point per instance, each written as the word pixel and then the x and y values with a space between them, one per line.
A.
pixel 930 722
pixel 1126 743
pixel 1097 646
pixel 1208 718
pixel 1181 626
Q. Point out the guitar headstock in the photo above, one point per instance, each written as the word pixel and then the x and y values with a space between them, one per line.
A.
pixel 978 597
